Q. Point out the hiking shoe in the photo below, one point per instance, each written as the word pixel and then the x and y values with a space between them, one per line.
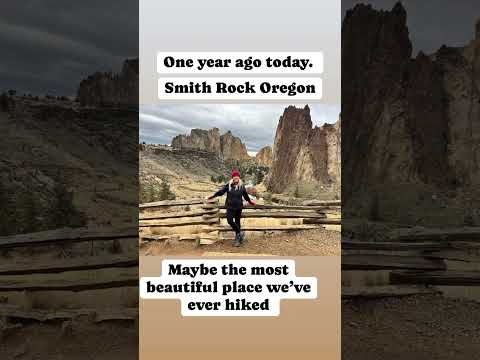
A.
pixel 242 237
pixel 237 242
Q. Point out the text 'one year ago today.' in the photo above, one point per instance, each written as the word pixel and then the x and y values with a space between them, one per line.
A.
pixel 246 63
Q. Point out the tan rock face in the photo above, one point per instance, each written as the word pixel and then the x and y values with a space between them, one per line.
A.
pixel 111 89
pixel 461 83
pixel 226 146
pixel 207 140
pixel 264 157
pixel 394 109
pixel 414 121
pixel 333 139
pixel 232 147
pixel 303 153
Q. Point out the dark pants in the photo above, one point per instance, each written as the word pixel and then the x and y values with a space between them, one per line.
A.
pixel 233 218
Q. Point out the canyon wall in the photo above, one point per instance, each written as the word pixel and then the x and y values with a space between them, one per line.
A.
pixel 302 153
pixel 409 122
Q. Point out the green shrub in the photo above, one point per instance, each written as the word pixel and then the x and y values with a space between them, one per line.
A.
pixel 62 212
pixel 165 192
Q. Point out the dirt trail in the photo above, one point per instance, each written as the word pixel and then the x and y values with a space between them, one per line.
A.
pixel 71 340
pixel 415 327
pixel 305 243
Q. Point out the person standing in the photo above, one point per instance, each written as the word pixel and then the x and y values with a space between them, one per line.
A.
pixel 236 192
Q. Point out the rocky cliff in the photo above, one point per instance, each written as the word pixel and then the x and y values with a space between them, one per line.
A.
pixel 107 89
pixel 410 121
pixel 226 146
pixel 302 153
pixel 264 157
pixel 208 140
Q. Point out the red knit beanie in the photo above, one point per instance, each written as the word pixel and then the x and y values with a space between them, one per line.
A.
pixel 235 173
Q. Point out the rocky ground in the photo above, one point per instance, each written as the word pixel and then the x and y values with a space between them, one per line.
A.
pixel 305 243
pixel 415 327
pixel 70 340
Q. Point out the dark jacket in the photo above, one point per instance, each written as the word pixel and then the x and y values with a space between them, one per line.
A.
pixel 234 196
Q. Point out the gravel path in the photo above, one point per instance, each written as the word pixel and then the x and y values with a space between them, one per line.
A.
pixel 70 340
pixel 305 243
pixel 414 328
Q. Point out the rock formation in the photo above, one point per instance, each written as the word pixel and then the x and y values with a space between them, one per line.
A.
pixel 302 153
pixel 412 121
pixel 107 89
pixel 226 146
pixel 207 140
pixel 232 147
pixel 264 156
pixel 333 139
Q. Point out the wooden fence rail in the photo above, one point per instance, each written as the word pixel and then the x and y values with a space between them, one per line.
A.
pixel 167 203
pixel 171 203
pixel 71 264
pixel 418 257
pixel 42 315
pixel 449 234
pixel 279 214
pixel 67 235
pixel 178 214
pixel 69 285
pixel 447 278
pixel 110 271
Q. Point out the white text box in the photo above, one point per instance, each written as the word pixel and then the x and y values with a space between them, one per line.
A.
pixel 194 88
pixel 225 63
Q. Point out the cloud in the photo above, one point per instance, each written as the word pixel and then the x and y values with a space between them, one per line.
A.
pixel 255 124
pixel 49 46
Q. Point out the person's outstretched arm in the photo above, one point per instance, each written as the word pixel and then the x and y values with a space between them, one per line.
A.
pixel 246 197
pixel 220 192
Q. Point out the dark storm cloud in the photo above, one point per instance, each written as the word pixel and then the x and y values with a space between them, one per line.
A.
pixel 49 46
pixel 254 124
pixel 433 23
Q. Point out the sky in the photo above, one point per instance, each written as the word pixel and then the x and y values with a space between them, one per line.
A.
pixel 48 46
pixel 254 124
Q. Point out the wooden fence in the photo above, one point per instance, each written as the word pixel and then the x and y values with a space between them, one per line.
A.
pixel 28 272
pixel 200 221
pixel 415 260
